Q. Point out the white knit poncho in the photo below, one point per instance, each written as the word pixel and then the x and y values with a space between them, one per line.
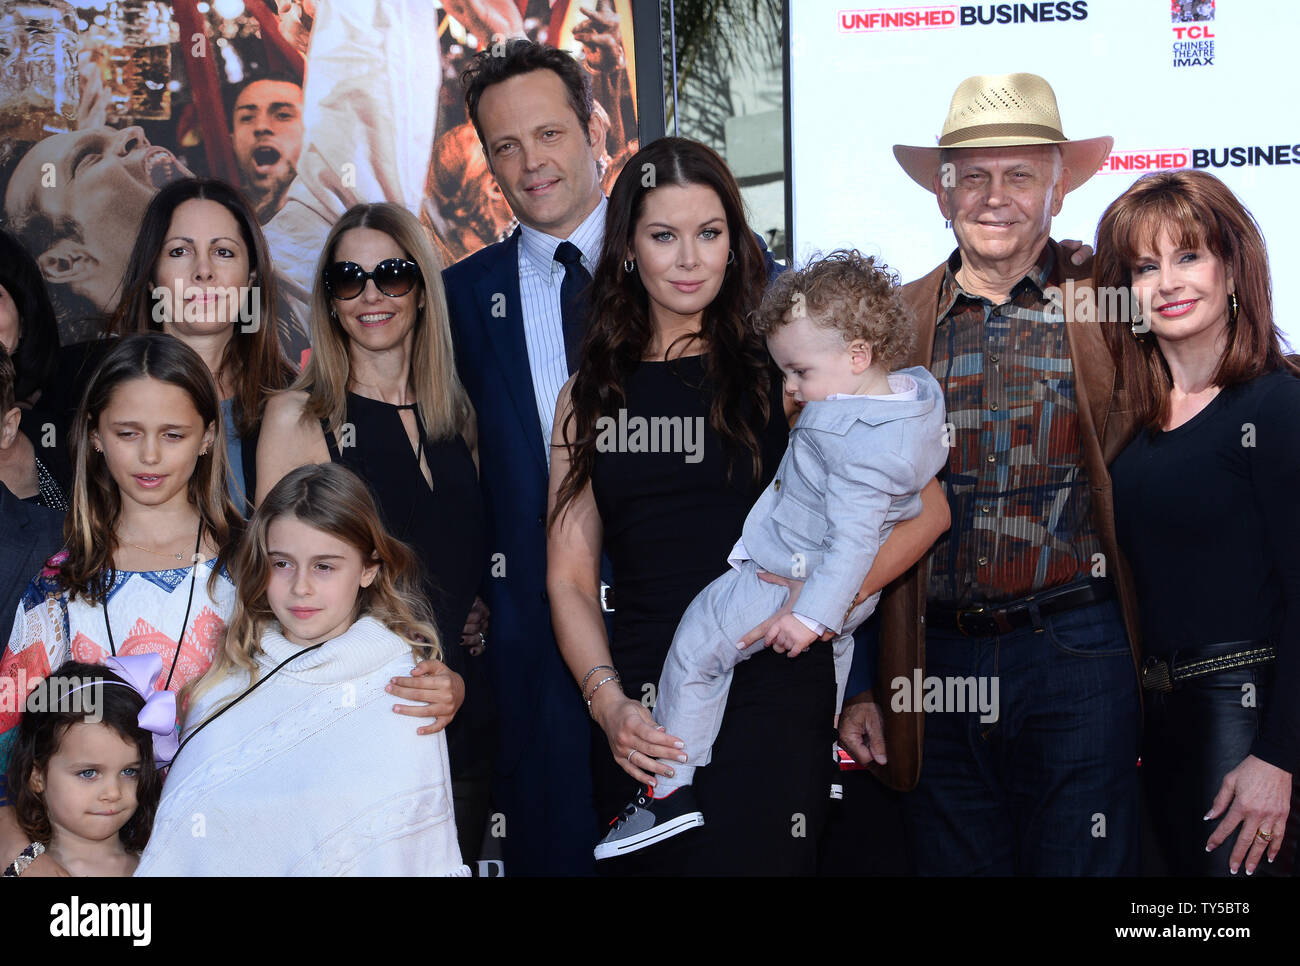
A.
pixel 310 774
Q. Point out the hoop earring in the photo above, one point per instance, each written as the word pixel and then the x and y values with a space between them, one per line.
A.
pixel 629 265
pixel 1234 307
pixel 731 256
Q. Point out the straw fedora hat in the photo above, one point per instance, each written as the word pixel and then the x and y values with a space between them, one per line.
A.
pixel 1004 110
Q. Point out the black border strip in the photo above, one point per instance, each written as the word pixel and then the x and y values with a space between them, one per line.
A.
pixel 788 147
pixel 647 29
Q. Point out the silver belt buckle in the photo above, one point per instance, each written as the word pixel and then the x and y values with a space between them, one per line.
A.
pixel 606 598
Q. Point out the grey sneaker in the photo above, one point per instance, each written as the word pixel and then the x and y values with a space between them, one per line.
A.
pixel 649 820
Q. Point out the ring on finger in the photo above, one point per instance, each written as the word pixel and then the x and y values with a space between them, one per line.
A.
pixel 629 755
pixel 1263 836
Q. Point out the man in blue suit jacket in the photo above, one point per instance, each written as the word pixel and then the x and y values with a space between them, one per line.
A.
pixel 532 110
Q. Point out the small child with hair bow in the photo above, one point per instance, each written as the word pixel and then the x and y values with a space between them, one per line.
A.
pixel 83 777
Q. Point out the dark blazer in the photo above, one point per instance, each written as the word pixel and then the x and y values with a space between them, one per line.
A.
pixel 542 769
pixel 29 535
pixel 487 327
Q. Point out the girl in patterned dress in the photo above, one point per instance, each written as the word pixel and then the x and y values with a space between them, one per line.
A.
pixel 142 569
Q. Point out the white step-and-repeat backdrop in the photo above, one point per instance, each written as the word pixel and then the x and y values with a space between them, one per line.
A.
pixel 1177 84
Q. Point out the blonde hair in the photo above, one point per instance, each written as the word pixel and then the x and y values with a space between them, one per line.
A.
pixel 89 530
pixel 334 500
pixel 442 402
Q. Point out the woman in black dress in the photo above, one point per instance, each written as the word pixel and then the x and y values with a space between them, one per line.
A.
pixel 1207 513
pixel 671 359
pixel 380 395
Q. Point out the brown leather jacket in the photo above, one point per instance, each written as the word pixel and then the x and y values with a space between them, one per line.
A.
pixel 1105 425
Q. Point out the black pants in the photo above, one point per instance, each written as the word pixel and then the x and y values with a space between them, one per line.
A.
pixel 1195 735
pixel 765 794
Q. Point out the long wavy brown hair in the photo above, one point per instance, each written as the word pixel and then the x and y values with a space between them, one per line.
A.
pixel 334 500
pixel 621 328
pixel 253 362
pixel 90 528
pixel 1197 209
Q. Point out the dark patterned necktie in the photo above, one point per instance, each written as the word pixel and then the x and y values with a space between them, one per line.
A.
pixel 574 304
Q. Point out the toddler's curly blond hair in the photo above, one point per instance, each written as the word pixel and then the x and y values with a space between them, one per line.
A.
pixel 849 292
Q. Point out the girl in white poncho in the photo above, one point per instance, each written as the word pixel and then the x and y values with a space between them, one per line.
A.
pixel 278 773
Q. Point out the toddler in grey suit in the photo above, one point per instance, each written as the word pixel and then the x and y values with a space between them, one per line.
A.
pixel 867 440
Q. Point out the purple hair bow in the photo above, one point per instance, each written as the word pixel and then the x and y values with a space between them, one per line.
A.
pixel 158 715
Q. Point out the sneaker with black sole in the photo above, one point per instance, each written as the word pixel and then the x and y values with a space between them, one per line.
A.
pixel 648 820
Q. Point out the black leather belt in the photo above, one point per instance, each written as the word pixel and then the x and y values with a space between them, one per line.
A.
pixel 987 620
pixel 1184 665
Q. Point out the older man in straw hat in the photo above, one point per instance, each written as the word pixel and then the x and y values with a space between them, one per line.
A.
pixel 1012 633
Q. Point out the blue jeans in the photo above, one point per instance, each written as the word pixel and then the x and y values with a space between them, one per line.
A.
pixel 1051 786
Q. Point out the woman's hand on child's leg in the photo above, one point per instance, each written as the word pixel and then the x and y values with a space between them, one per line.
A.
pixel 440 690
pixel 636 741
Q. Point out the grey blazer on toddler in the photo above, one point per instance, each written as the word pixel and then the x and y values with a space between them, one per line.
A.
pixel 853 468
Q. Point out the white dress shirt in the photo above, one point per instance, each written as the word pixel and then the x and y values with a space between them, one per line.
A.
pixel 540 278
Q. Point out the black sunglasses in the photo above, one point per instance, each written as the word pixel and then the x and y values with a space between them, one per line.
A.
pixel 393 276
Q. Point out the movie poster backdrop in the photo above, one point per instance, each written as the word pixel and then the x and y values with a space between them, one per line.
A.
pixel 310 106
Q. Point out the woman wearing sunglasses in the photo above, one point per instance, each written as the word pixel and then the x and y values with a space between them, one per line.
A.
pixel 380 395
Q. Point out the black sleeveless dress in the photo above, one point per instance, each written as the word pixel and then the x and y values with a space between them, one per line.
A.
pixel 669 525
pixel 446 525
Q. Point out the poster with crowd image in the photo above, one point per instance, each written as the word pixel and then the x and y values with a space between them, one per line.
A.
pixel 309 106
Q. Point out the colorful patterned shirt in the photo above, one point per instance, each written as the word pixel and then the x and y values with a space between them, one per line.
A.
pixel 1015 480
pixel 144 608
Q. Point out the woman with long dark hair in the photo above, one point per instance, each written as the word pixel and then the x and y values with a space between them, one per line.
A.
pixel 671 358
pixel 200 270
pixel 1206 511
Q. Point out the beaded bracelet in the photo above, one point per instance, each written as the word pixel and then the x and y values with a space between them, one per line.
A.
pixel 601 684
pixel 25 858
pixel 587 677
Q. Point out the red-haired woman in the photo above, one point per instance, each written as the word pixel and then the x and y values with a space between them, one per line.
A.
pixel 1205 503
